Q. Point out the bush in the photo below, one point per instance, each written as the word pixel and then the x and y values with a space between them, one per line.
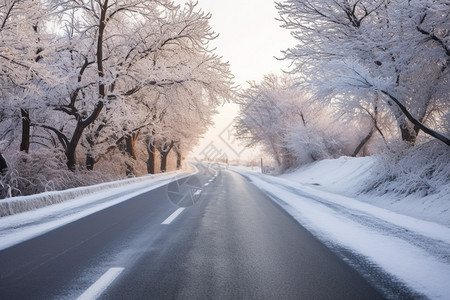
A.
pixel 41 171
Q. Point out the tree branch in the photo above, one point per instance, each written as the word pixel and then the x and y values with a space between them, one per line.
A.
pixel 61 136
pixel 413 120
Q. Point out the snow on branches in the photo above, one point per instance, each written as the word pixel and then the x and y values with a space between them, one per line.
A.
pixel 89 77
pixel 282 118
pixel 393 51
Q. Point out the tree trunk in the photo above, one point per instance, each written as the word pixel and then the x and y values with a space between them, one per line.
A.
pixel 81 125
pixel 90 161
pixel 130 141
pixel 25 143
pixel 164 161
pixel 178 153
pixel 3 164
pixel 71 157
pixel 151 159
pixel 363 142
pixel 408 135
pixel 71 151
pixel 164 153
pixel 130 149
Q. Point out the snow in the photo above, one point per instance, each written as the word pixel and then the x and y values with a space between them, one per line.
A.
pixel 323 197
pixel 334 174
pixel 346 176
pixel 85 201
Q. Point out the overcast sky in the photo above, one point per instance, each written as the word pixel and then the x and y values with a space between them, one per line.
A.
pixel 249 36
pixel 249 39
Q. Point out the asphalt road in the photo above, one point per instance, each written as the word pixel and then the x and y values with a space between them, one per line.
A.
pixel 228 242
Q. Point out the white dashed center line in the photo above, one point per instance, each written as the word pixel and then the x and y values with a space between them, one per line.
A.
pixel 172 216
pixel 101 284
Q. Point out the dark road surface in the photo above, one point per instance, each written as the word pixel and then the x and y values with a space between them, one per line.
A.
pixel 234 243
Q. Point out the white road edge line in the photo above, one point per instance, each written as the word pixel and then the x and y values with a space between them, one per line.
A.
pixel 172 216
pixel 206 183
pixel 101 284
pixel 197 192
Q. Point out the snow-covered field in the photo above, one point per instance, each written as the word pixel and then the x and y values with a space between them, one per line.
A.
pixel 407 238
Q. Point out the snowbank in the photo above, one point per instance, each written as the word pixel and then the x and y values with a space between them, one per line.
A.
pixel 336 175
pixel 20 204
pixel 349 176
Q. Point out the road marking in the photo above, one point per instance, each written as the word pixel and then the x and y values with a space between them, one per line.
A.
pixel 197 192
pixel 101 284
pixel 172 216
pixel 206 183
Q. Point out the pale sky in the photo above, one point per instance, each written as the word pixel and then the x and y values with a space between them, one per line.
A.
pixel 249 38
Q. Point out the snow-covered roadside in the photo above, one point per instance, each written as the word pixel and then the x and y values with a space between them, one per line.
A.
pixel 84 201
pixel 412 251
pixel 346 176
pixel 11 206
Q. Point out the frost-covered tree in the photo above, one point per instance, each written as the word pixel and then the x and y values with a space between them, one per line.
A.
pixel 24 73
pixel 281 118
pixel 184 111
pixel 97 44
pixel 261 121
pixel 398 50
pixel 116 51
pixel 267 109
pixel 86 77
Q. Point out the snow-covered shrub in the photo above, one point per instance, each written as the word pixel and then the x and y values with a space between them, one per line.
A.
pixel 420 170
pixel 116 163
pixel 320 139
pixel 43 170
